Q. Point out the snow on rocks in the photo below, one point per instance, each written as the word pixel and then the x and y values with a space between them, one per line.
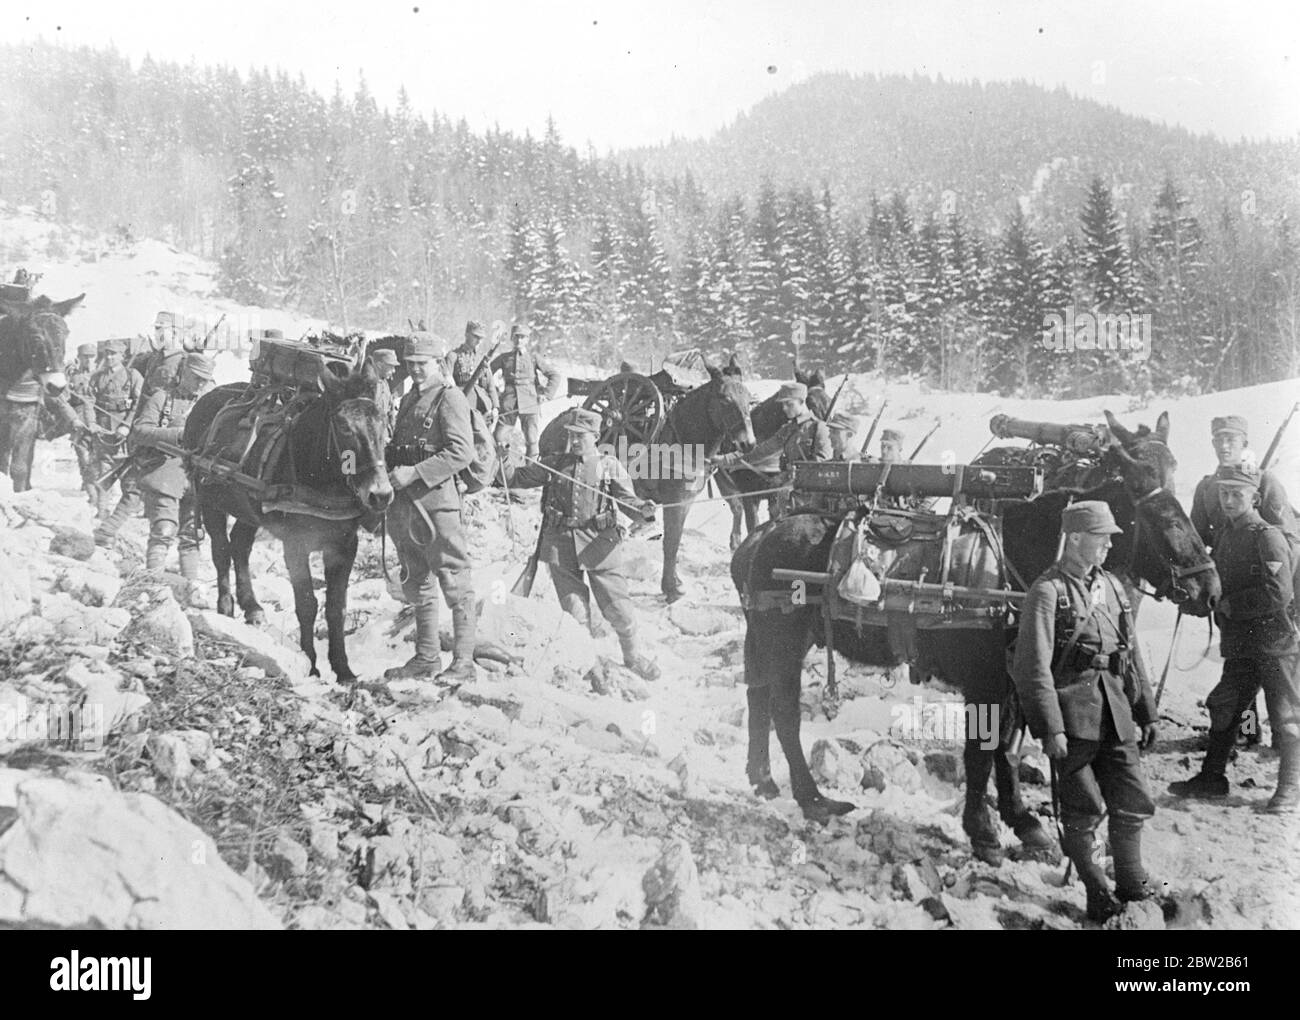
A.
pixel 888 765
pixel 833 763
pixel 256 648
pixel 78 854
pixel 672 888
pixel 160 623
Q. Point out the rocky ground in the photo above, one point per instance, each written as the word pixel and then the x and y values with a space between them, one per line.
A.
pixel 231 789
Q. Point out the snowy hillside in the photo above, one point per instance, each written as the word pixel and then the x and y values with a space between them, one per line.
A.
pixel 531 798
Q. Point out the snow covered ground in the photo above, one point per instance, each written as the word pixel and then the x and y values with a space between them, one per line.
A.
pixel 560 805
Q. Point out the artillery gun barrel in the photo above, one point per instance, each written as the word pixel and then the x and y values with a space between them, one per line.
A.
pixel 1079 438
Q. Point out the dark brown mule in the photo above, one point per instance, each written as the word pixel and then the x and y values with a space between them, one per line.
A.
pixel 33 345
pixel 1159 546
pixel 334 456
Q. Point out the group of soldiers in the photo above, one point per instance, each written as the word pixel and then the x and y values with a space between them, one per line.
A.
pixel 583 492
pixel 1086 693
pixel 122 409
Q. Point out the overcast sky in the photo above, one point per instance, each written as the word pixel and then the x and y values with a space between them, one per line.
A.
pixel 631 73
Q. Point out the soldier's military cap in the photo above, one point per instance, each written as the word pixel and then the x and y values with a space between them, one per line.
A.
pixel 585 421
pixel 1237 475
pixel 474 329
pixel 792 391
pixel 120 346
pixel 842 421
pixel 1228 423
pixel 384 356
pixel 266 334
pixel 1091 516
pixel 199 364
pixel 424 346
pixel 87 350
pixel 891 436
pixel 164 319
pixel 519 332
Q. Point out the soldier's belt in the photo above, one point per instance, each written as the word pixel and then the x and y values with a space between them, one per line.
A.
pixel 1082 659
pixel 405 454
pixel 597 523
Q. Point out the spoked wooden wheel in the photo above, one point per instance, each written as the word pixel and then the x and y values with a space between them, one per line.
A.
pixel 630 406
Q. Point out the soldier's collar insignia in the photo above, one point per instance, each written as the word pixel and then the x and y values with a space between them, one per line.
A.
pixel 1273 565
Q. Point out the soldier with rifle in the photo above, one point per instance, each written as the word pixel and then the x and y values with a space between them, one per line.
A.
pixel 432 443
pixel 582 495
pixel 1086 695
pixel 1232 448
pixel 78 373
pixel 469 371
pixel 163 479
pixel 1257 638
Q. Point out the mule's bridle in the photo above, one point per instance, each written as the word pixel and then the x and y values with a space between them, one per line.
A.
pixel 334 446
pixel 1170 586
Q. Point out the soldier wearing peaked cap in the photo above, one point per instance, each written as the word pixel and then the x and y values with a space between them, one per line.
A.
pixel 384 362
pixel 1086 695
pixel 433 441
pixel 580 531
pixel 163 480
pixel 1258 641
pixel 804 436
pixel 1232 448
pixel 520 403
pixel 114 393
pixel 464 360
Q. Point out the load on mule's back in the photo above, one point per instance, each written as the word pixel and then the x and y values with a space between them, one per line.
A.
pixel 908 618
pixel 33 351
pixel 299 451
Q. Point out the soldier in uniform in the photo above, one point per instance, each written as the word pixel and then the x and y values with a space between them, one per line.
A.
pixel 385 365
pixel 843 428
pixel 173 339
pixel 520 402
pixel 804 436
pixel 114 391
pixel 78 373
pixel 1257 639
pixel 1232 448
pixel 432 443
pixel 464 360
pixel 891 446
pixel 1086 695
pixel 580 531
pixel 164 483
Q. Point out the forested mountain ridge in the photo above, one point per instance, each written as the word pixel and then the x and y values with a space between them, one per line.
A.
pixel 930 242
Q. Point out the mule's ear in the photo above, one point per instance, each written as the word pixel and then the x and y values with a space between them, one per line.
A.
pixel 802 377
pixel 1162 427
pixel 733 366
pixel 816 379
pixel 715 373
pixel 62 308
pixel 1119 431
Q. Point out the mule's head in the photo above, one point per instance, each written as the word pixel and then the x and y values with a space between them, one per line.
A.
pixel 34 338
pixel 1142 458
pixel 356 434
pixel 728 405
pixel 1162 547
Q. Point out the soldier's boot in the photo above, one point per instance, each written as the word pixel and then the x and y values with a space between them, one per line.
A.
pixel 1211 783
pixel 639 664
pixel 1286 798
pixel 162 534
pixel 426 661
pixel 1132 882
pixel 107 529
pixel 103 503
pixel 462 669
pixel 1078 846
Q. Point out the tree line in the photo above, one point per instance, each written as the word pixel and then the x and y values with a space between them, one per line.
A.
pixel 373 217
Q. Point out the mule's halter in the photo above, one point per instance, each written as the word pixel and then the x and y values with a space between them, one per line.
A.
pixel 1170 586
pixel 334 447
